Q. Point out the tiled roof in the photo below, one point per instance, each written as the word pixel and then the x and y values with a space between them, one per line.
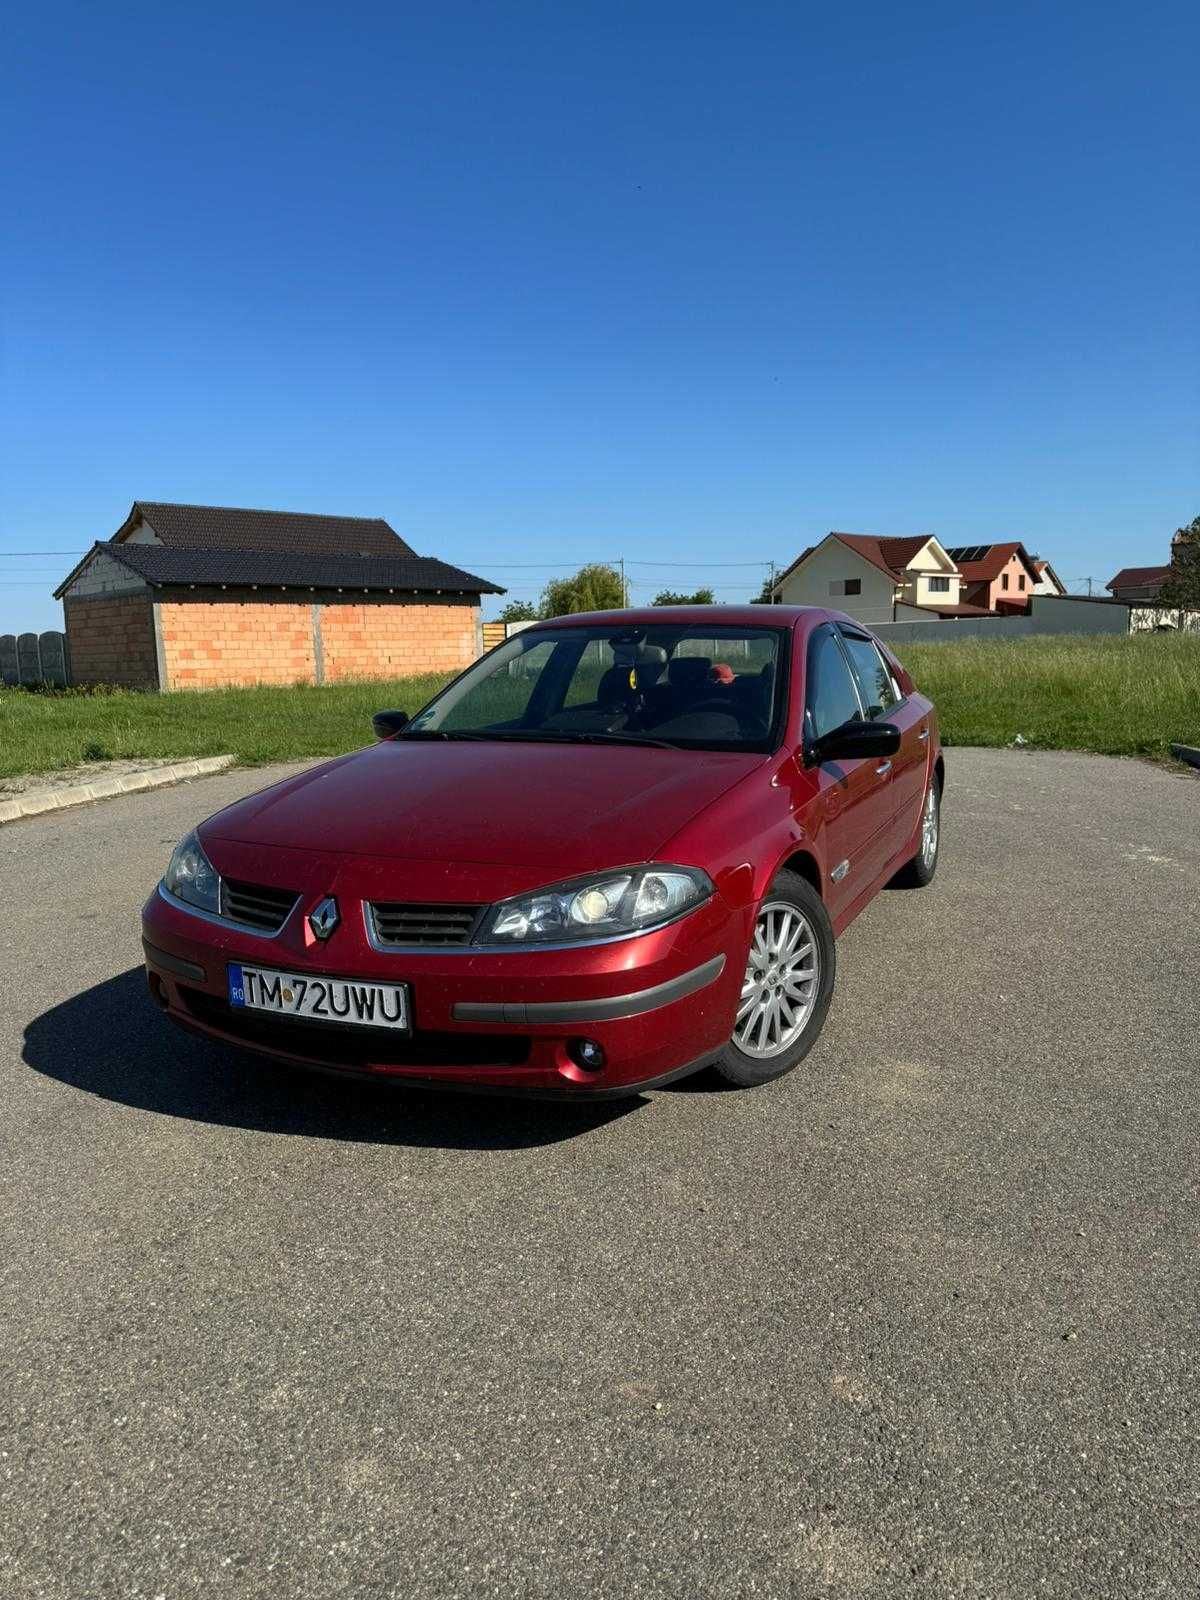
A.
pixel 989 560
pixel 183 527
pixel 889 555
pixel 961 610
pixel 1137 577
pixel 269 569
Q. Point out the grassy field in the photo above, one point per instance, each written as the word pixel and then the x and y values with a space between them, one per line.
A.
pixel 1115 695
pixel 39 732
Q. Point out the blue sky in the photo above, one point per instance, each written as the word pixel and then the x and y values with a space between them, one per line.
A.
pixel 544 283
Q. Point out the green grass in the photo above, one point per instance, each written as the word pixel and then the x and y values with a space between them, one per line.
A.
pixel 39 732
pixel 1115 695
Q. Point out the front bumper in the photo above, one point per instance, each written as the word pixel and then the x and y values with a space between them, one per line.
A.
pixel 658 1004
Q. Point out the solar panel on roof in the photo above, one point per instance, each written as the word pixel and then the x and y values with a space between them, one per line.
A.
pixel 968 552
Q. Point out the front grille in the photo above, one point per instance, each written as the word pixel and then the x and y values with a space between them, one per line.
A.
pixel 396 923
pixel 327 1045
pixel 256 906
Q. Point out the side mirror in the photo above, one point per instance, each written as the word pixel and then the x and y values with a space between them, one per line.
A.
pixel 387 723
pixel 857 739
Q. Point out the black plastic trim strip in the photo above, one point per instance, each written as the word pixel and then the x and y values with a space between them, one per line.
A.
pixel 608 1009
pixel 175 964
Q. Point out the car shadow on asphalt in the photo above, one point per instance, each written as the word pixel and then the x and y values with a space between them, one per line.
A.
pixel 110 1041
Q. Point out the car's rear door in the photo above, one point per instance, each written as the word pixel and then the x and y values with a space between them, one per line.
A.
pixel 854 796
pixel 885 701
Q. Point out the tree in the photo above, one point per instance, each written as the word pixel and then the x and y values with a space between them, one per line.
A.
pixel 764 596
pixel 518 611
pixel 1181 587
pixel 668 597
pixel 593 588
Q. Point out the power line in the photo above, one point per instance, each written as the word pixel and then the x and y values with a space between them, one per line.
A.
pixel 557 563
pixel 505 566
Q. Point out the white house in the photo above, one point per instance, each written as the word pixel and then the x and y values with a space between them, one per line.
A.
pixel 875 580
pixel 1049 581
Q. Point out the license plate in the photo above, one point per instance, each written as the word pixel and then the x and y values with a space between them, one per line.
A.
pixel 360 1002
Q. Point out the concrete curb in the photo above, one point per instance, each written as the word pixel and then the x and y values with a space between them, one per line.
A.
pixel 38 801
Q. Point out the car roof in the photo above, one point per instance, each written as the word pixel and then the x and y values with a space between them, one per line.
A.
pixel 759 616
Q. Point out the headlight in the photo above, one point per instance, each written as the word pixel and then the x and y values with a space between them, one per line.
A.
pixel 597 907
pixel 191 876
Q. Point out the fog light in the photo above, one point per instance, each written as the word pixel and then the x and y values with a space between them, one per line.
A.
pixel 586 1053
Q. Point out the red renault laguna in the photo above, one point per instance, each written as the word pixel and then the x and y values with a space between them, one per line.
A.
pixel 616 849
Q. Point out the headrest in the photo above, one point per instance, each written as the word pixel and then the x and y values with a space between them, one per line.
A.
pixel 613 688
pixel 636 653
pixel 688 672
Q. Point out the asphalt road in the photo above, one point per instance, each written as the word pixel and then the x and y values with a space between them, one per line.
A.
pixel 921 1318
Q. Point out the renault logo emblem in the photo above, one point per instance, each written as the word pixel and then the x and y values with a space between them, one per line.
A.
pixel 324 918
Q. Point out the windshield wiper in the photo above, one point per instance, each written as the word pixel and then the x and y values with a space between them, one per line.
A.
pixel 622 738
pixel 540 736
pixel 578 736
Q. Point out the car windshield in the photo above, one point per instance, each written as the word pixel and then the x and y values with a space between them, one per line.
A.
pixel 696 686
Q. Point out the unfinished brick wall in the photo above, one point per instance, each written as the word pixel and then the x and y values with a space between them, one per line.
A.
pixel 217 638
pixel 208 643
pixel 397 640
pixel 110 639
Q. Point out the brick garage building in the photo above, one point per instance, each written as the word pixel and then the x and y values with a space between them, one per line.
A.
pixel 193 597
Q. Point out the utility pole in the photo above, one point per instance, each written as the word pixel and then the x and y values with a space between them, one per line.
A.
pixel 624 585
pixel 1089 584
pixel 773 600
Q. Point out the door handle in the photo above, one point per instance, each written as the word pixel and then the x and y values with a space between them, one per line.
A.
pixel 924 733
pixel 884 768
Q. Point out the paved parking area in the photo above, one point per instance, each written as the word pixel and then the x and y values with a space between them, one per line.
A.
pixel 922 1318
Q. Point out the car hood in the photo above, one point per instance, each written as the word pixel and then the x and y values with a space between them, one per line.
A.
pixel 563 809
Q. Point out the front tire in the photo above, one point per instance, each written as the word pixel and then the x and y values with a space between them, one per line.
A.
pixel 787 986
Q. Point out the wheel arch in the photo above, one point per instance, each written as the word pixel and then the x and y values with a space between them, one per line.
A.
pixel 805 865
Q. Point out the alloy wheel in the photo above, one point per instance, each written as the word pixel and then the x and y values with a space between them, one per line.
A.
pixel 779 990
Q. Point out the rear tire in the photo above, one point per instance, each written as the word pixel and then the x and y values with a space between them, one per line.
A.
pixel 787 987
pixel 915 874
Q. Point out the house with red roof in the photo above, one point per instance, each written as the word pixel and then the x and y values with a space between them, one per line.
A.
pixel 1138 583
pixel 1144 583
pixel 996 577
pixel 875 579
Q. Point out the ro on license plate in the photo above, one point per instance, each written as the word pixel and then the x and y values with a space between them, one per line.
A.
pixel 360 1001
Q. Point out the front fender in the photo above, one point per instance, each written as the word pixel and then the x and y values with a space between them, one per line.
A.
pixel 745 836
